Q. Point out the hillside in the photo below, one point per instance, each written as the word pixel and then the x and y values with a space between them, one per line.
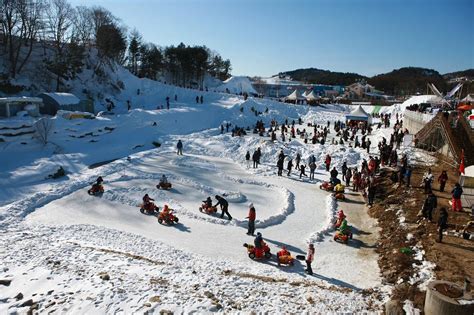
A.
pixel 469 74
pixel 409 80
pixel 313 75
pixel 403 81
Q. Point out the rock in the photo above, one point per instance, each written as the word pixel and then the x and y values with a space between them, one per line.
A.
pixel 166 312
pixel 393 307
pixel 19 296
pixel 5 282
pixel 147 304
pixel 155 299
pixel 27 303
pixel 104 276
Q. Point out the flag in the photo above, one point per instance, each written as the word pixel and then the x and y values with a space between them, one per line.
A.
pixel 461 164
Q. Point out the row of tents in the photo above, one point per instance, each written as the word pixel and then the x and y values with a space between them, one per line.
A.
pixel 297 97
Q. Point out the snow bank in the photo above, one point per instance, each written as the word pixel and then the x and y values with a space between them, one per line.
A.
pixel 331 208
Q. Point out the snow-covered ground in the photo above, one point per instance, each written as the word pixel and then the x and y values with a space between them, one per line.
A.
pixel 57 241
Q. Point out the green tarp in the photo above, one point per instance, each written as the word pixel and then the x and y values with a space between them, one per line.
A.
pixel 376 109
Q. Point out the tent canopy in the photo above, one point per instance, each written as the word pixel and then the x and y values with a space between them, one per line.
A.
pixel 295 96
pixel 468 98
pixel 358 114
pixel 312 97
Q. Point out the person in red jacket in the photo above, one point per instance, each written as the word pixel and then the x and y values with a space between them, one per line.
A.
pixel 327 162
pixel 252 215
pixel 442 179
pixel 309 259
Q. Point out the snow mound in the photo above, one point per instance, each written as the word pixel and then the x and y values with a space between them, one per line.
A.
pixel 237 85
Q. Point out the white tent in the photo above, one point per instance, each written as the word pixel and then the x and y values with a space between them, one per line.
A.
pixel 310 97
pixel 305 93
pixel 359 114
pixel 468 98
pixel 295 96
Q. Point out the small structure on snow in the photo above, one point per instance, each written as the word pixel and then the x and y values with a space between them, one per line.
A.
pixel 63 101
pixel 10 106
pixel 358 115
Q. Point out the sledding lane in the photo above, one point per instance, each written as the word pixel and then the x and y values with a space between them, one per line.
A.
pixel 290 210
pixel 197 232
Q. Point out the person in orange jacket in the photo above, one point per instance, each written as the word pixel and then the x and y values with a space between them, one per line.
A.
pixel 252 215
pixel 283 253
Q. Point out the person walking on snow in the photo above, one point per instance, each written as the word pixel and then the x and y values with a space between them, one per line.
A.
pixel 309 259
pixel 297 160
pixel 344 170
pixel 312 169
pixel 251 217
pixel 302 173
pixel 247 159
pixel 280 163
pixel 327 162
pixel 255 159
pixel 179 146
pixel 348 176
pixel 289 167
pixel 224 207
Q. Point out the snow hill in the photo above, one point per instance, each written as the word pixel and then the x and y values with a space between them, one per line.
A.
pixel 237 85
pixel 71 252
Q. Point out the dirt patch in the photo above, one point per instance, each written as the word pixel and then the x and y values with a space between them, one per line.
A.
pixel 448 290
pixel 454 257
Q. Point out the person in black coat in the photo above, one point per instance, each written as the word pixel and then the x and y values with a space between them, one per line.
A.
pixel 334 173
pixel 344 170
pixel 371 194
pixel 255 159
pixel 224 206
pixel 431 202
pixel 442 223
pixel 280 166
pixel 289 166
pixel 258 242
pixel 247 159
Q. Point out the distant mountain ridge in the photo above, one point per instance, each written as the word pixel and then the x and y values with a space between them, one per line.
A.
pixel 403 81
pixel 313 75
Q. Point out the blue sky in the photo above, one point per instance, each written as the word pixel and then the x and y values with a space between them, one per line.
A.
pixel 264 37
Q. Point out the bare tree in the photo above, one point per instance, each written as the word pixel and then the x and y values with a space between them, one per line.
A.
pixel 20 22
pixel 101 17
pixel 43 129
pixel 60 19
pixel 83 29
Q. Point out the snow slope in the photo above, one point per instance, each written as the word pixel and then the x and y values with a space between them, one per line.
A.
pixel 59 238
